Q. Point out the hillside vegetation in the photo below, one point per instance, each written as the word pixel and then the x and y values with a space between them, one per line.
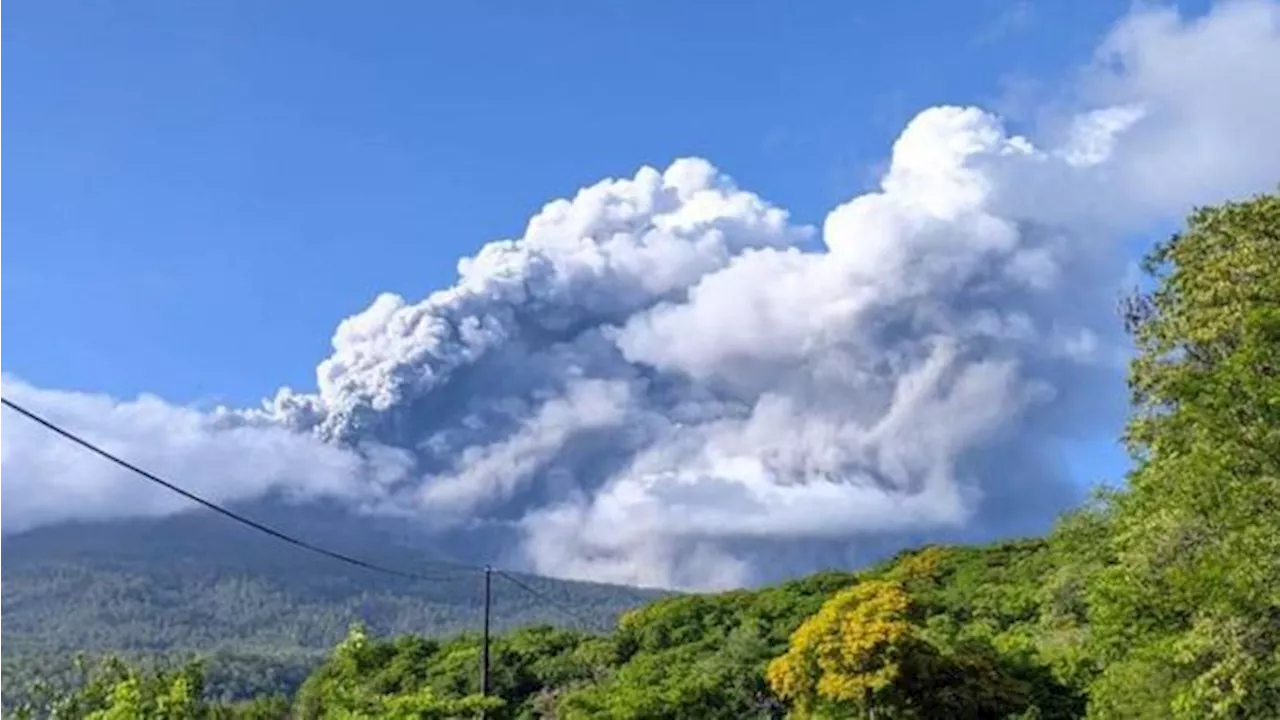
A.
pixel 1158 600
pixel 709 655
pixel 261 613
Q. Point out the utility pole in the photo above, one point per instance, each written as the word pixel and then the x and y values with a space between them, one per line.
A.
pixel 484 648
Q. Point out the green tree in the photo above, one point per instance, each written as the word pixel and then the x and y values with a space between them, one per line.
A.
pixel 1187 617
pixel 367 678
pixel 113 690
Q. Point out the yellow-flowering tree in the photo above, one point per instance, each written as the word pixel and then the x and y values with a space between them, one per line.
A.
pixel 851 653
pixel 864 652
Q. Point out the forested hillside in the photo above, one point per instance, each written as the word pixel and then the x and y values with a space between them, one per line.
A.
pixel 1161 599
pixel 262 613
pixel 707 655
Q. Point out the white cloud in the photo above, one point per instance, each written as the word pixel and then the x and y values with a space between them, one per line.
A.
pixel 663 382
pixel 1210 95
pixel 215 455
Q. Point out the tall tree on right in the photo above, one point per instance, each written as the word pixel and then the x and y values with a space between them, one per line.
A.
pixel 1187 618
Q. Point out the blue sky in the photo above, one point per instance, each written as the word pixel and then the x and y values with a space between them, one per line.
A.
pixel 199 191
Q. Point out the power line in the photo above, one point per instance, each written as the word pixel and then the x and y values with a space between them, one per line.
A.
pixel 284 537
pixel 303 544
pixel 542 596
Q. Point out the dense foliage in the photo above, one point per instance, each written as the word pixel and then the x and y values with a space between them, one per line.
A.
pixel 114 690
pixel 1158 600
pixel 1187 618
pixel 976 614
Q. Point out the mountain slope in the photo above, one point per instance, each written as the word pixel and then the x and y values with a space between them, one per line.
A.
pixel 198 582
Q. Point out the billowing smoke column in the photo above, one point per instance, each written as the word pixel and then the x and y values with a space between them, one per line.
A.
pixel 666 381
pixel 656 377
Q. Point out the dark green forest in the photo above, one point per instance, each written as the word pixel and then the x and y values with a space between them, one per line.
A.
pixel 260 614
pixel 1158 599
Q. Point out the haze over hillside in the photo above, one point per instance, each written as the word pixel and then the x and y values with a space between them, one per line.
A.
pixel 196 581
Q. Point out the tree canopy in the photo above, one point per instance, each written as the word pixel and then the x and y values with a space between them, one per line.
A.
pixel 1189 613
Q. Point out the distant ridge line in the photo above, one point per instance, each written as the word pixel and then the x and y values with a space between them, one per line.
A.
pixel 464 569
